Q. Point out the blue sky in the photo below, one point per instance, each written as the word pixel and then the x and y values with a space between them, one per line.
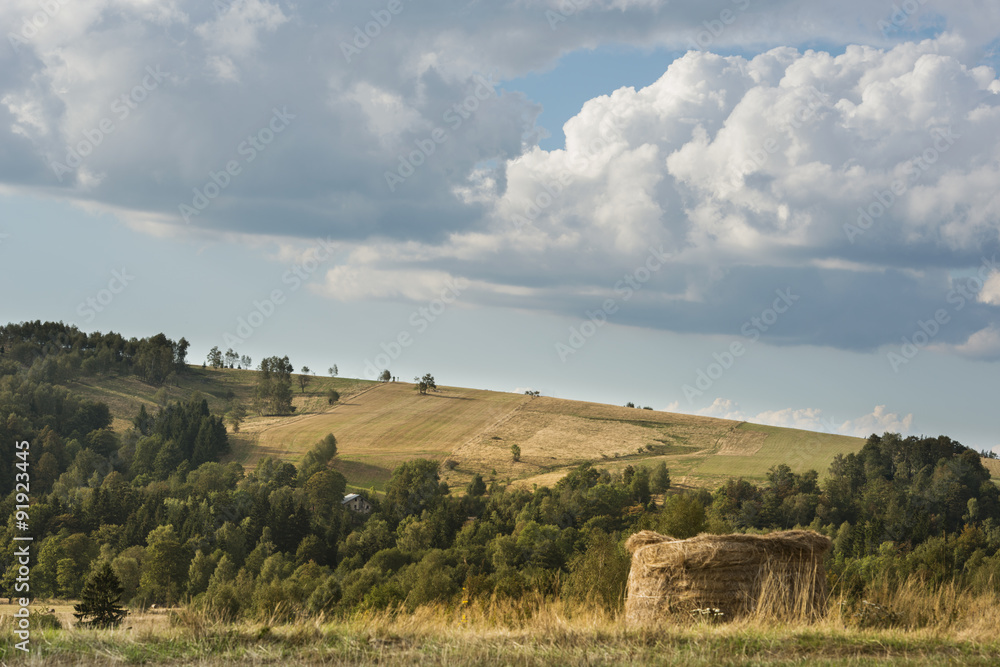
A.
pixel 595 211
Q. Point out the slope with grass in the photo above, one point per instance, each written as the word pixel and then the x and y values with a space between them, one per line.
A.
pixel 386 424
pixel 378 426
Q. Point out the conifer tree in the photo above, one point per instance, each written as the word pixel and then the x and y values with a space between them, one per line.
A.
pixel 101 600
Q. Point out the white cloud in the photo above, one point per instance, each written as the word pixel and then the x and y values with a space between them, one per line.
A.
pixel 991 290
pixel 236 30
pixel 346 283
pixel 878 421
pixel 744 171
pixel 982 345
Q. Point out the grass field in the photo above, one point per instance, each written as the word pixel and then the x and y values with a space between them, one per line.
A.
pixel 383 426
pixel 751 449
pixel 528 632
pixel 380 425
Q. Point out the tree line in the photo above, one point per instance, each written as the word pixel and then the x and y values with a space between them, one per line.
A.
pixel 154 505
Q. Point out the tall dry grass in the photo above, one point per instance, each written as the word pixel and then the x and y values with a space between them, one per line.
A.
pixel 926 628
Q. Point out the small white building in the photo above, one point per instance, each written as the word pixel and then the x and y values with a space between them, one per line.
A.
pixel 355 502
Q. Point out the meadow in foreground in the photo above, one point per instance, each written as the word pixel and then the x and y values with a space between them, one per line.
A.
pixel 913 627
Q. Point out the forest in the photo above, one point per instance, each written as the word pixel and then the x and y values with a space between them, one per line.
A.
pixel 178 527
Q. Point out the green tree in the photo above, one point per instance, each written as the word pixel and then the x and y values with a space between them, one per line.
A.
pixel 325 489
pixel 659 481
pixel 273 394
pixel 515 453
pixel 413 487
pixel 235 417
pixel 333 371
pixel 477 486
pixel 304 378
pixel 215 357
pixel 426 383
pixel 332 396
pixel 100 603
pixel 385 376
pixel 165 565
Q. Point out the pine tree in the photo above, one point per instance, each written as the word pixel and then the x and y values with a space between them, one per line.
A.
pixel 101 600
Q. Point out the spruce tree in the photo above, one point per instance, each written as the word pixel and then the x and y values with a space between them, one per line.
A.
pixel 101 600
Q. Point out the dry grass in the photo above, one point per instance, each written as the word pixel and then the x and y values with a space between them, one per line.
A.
pixel 556 434
pixel 379 426
pixel 531 631
pixel 993 465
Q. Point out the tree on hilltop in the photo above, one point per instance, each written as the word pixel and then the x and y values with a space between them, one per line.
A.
pixel 425 383
pixel 214 357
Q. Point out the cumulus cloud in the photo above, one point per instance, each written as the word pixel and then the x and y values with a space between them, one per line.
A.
pixel 878 421
pixel 789 170
pixel 983 345
pixel 859 180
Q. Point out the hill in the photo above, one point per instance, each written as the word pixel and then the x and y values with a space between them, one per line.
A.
pixel 380 425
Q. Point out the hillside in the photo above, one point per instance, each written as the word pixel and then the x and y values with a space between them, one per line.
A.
pixel 380 425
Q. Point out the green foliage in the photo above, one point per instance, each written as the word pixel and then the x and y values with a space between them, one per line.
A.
pixel 599 572
pixel 425 383
pixel 165 566
pixel 476 487
pixel 659 480
pixel 413 487
pixel 100 603
pixel 236 415
pixel 275 543
pixel 515 453
pixel 273 394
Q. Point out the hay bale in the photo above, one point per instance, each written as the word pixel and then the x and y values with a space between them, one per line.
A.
pixel 779 574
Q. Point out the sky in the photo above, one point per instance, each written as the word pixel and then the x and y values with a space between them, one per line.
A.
pixel 780 212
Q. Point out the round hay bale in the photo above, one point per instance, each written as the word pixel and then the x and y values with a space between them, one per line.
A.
pixel 779 574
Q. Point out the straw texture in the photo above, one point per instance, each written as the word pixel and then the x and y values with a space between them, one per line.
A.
pixel 779 574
